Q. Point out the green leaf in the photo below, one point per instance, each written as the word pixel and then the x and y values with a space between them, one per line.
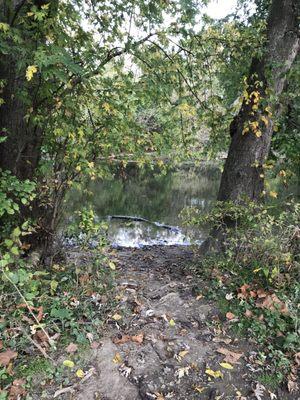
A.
pixel 53 285
pixel 16 232
pixel 8 243
pixel 14 250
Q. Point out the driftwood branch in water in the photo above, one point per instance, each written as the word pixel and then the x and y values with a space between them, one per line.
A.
pixel 141 219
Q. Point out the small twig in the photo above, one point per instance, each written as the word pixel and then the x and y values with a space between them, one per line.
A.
pixel 71 389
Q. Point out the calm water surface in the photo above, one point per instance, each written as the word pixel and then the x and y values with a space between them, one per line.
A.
pixel 157 198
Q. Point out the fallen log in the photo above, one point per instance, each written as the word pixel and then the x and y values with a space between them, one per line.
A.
pixel 141 219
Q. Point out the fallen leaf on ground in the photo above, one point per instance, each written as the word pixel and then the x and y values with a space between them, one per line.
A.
pixel 226 365
pixel 127 338
pixel 243 291
pixel 272 302
pixel 117 358
pixel 229 296
pixel 117 317
pixel 17 389
pixel 248 313
pixel 121 340
pixel 230 316
pixel 240 396
pixel 261 293
pixel 292 386
pixel 215 374
pixel 112 265
pixel 7 356
pixel 80 373
pixel 90 337
pixel 41 337
pixel 68 363
pixel 181 372
pixel 138 338
pixel 292 380
pixel 230 356
pixel 199 389
pixel 259 391
pixel 72 348
pixel 172 322
pixel 183 353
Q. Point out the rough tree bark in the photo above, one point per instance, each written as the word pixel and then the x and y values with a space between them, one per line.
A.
pixel 243 171
pixel 21 151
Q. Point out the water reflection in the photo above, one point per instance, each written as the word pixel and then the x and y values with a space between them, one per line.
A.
pixel 154 197
pixel 139 234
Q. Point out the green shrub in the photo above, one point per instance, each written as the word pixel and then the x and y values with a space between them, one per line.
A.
pixel 260 269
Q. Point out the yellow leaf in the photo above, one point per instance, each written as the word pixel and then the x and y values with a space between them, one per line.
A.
pixel 117 358
pixel 68 363
pixel 254 125
pixel 273 194
pixel 258 133
pixel 215 374
pixel 172 322
pixel 268 110
pixel 265 120
pixel 107 107
pixel 117 317
pixel 30 71
pixel 4 27
pixel 226 365
pixel 80 373
pixel 183 353
pixel 199 389
pixel 112 265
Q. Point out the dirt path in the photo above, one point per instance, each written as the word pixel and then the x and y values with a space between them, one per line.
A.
pixel 163 340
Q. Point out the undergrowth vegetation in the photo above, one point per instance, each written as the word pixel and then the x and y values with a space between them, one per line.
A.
pixel 256 281
pixel 45 313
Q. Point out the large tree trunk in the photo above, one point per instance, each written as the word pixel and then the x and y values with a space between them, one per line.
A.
pixel 20 153
pixel 243 175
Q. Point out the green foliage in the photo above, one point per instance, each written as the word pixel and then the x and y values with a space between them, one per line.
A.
pixel 14 195
pixel 105 81
pixel 86 227
pixel 69 302
pixel 259 267
pixel 286 141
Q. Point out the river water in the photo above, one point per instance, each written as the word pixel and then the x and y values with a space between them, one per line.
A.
pixel 157 197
